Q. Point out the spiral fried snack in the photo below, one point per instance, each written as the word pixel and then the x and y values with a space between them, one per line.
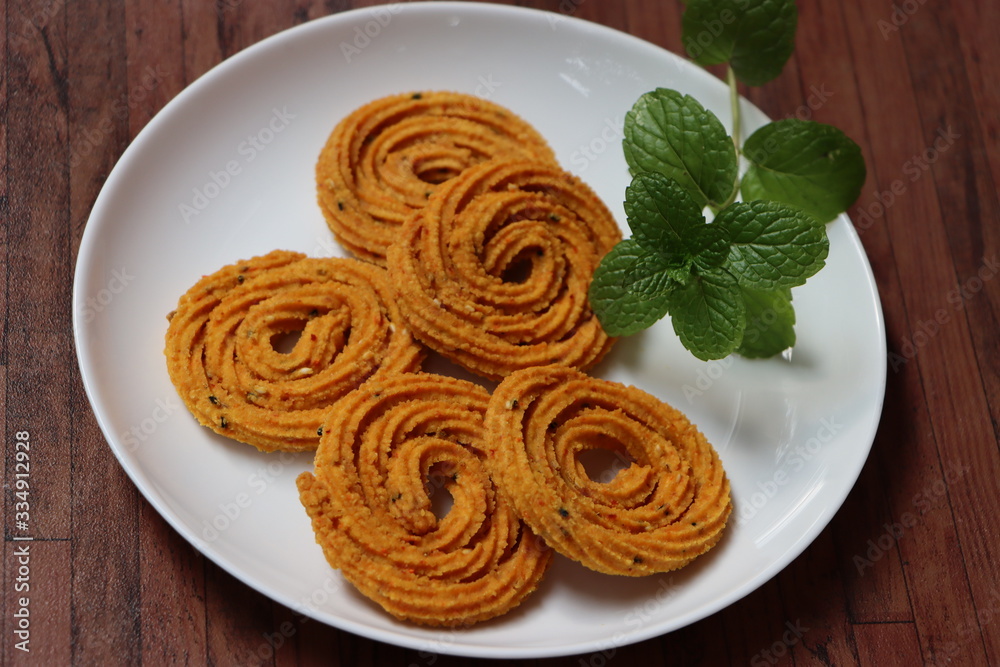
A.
pixel 384 160
pixel 221 358
pixel 383 448
pixel 667 507
pixel 493 273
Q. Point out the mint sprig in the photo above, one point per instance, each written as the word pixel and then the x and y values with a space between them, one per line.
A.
pixel 726 284
pixel 706 276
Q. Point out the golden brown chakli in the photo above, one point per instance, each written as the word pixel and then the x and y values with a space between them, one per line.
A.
pixel 493 272
pixel 668 506
pixel 221 355
pixel 385 159
pixel 383 450
pixel 490 248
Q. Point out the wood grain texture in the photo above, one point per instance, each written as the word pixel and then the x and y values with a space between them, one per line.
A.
pixel 906 573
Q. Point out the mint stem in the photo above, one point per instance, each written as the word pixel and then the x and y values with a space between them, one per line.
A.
pixel 734 105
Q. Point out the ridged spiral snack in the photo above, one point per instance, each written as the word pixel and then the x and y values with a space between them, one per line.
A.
pixel 382 161
pixel 493 272
pixel 221 358
pixel 383 450
pixel 668 506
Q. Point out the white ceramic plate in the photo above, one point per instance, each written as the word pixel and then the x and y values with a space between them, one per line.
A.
pixel 225 172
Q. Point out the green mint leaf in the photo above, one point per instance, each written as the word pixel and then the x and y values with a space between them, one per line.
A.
pixel 672 134
pixel 661 214
pixel 770 328
pixel 630 289
pixel 709 314
pixel 650 272
pixel 665 217
pixel 710 246
pixel 772 245
pixel 810 165
pixel 755 37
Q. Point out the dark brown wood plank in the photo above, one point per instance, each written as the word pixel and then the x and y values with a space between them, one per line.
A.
pixel 612 14
pixel 36 404
pixel 8 604
pixel 696 644
pixel 872 576
pixel 238 618
pixel 36 607
pixel 780 97
pixel 656 22
pixel 752 625
pixel 154 42
pixel 259 20
pixel 104 587
pixel 173 595
pixel 99 106
pixel 818 633
pixel 966 192
pixel 980 51
pixel 38 262
pixel 955 389
pixel 208 28
pixel 644 653
pixel 105 568
pixel 887 644
pixel 4 191
pixel 35 108
pixel 299 640
pixel 926 272
pixel 426 658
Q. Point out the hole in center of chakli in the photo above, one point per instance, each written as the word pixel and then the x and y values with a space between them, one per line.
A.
pixel 519 270
pixel 435 174
pixel 440 477
pixel 285 341
pixel 603 465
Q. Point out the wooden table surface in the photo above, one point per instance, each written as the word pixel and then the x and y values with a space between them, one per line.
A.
pixel 906 573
